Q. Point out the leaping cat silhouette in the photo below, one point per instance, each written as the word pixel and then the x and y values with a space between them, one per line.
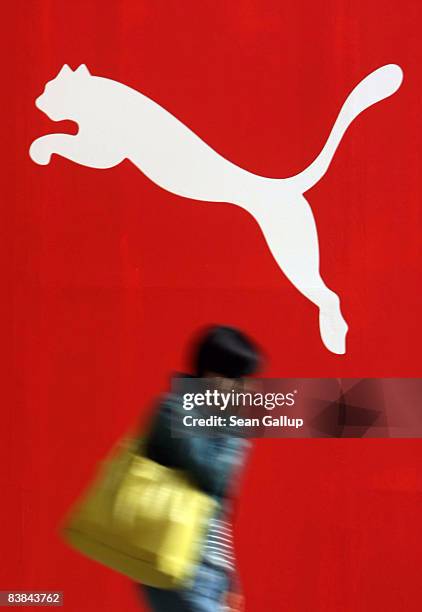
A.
pixel 117 123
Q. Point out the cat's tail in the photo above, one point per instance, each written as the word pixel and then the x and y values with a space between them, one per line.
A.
pixel 378 85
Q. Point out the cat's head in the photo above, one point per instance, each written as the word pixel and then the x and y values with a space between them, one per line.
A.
pixel 62 96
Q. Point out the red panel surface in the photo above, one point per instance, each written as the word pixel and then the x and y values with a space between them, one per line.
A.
pixel 106 277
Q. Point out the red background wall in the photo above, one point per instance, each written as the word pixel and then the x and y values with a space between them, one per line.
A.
pixel 106 277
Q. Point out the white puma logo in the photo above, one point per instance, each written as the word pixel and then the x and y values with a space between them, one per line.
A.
pixel 117 123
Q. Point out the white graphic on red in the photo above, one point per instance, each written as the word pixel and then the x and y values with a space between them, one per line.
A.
pixel 117 123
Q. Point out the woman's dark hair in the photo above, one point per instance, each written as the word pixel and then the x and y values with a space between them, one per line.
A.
pixel 226 351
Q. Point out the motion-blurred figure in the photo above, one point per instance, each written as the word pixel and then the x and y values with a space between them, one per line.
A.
pixel 213 462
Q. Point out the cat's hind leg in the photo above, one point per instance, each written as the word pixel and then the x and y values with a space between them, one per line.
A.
pixel 86 152
pixel 290 231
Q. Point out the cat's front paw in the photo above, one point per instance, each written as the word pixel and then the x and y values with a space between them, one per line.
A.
pixel 40 152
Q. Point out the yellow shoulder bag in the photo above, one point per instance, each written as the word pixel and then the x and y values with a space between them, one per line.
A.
pixel 142 519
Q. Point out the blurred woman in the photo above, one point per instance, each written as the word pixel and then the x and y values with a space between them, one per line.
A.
pixel 226 355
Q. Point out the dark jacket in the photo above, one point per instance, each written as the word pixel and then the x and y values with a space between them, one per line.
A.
pixel 211 461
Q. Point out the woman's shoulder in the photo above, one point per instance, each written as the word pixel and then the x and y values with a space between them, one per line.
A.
pixel 168 413
pixel 168 403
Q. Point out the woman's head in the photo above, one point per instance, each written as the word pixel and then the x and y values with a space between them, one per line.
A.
pixel 227 352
